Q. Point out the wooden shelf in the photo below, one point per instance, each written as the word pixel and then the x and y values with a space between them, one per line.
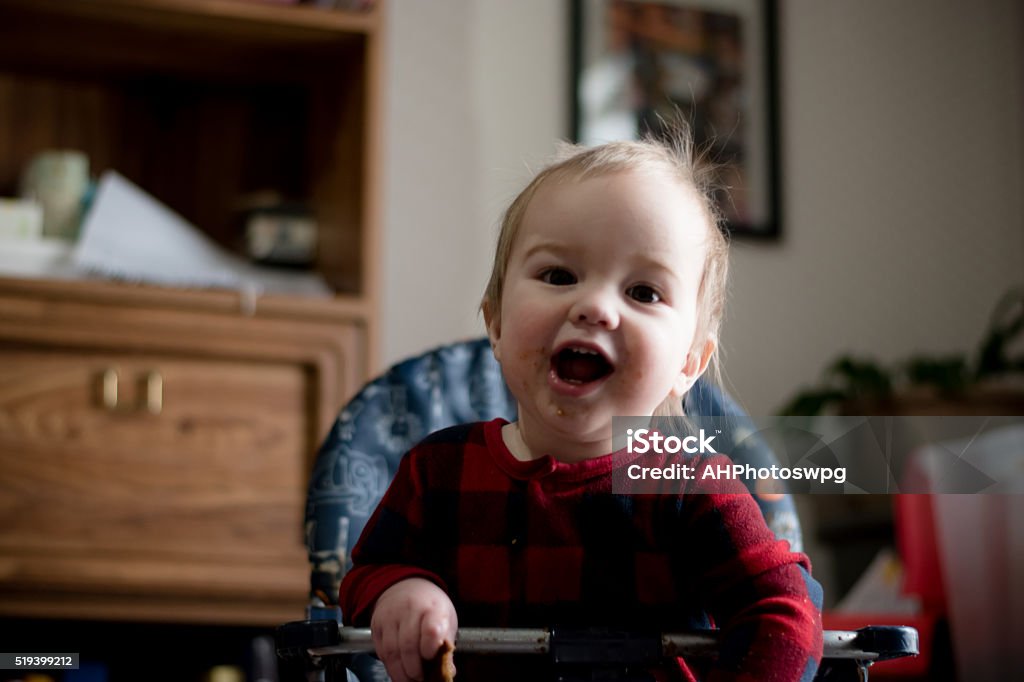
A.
pixel 338 309
pixel 202 103
pixel 202 39
pixel 293 23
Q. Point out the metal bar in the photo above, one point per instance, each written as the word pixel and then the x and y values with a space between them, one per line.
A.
pixel 841 644
pixel 470 640
pixel 698 644
pixel 838 643
pixel 503 641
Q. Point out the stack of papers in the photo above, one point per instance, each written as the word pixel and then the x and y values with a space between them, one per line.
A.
pixel 129 235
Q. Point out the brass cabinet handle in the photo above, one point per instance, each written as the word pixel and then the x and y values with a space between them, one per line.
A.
pixel 152 399
pixel 110 389
pixel 154 392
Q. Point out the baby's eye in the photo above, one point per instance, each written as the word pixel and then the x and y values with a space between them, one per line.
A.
pixel 559 277
pixel 643 293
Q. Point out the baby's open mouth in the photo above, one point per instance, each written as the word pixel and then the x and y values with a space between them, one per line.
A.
pixel 576 365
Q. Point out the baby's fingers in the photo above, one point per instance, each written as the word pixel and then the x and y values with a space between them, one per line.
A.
pixel 387 642
pixel 409 648
pixel 433 633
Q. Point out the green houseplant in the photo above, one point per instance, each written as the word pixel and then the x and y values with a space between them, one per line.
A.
pixel 854 383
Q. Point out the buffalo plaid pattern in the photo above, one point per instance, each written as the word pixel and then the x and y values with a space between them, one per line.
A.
pixel 538 543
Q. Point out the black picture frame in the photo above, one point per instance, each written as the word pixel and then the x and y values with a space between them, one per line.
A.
pixel 638 63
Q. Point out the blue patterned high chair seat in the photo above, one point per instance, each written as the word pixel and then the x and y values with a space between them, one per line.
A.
pixel 450 385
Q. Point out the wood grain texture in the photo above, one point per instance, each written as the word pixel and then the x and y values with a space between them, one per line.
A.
pixel 294 24
pixel 199 506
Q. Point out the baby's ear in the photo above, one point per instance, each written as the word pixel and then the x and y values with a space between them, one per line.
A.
pixel 493 322
pixel 694 366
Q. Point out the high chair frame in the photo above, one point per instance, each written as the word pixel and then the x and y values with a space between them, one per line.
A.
pixel 584 655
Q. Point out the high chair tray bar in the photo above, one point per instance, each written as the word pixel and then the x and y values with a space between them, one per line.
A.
pixel 326 638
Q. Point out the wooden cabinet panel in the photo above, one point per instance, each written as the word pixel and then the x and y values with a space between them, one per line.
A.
pixel 179 504
pixel 217 467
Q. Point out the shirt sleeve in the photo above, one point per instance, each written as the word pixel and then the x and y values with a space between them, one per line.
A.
pixel 390 548
pixel 760 594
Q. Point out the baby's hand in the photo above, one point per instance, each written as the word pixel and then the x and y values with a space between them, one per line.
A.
pixel 411 621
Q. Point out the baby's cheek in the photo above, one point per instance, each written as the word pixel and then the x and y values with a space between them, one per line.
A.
pixel 526 372
pixel 532 361
pixel 637 370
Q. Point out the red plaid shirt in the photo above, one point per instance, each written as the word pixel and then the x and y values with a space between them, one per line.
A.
pixel 538 543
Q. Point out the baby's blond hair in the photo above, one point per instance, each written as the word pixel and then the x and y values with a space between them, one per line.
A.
pixel 678 157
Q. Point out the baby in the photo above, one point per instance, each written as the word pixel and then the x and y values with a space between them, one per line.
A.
pixel 605 300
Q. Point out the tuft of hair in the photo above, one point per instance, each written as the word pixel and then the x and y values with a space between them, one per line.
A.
pixel 674 152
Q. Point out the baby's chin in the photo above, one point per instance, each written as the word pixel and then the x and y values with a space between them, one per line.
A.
pixel 579 425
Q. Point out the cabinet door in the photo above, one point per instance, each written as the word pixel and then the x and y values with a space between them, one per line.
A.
pixel 182 501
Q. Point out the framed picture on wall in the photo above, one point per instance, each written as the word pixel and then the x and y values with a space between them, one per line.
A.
pixel 638 64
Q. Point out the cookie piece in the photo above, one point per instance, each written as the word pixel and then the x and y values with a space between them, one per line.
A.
pixel 441 668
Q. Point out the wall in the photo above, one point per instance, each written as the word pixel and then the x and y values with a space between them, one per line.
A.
pixel 475 93
pixel 901 135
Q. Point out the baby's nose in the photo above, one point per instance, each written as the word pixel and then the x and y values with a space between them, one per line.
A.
pixel 595 309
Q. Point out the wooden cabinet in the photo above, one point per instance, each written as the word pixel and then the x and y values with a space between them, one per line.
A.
pixel 182 499
pixel 203 103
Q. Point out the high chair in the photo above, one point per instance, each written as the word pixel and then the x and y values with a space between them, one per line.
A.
pixel 453 384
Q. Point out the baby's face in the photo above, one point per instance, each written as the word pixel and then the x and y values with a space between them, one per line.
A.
pixel 599 306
